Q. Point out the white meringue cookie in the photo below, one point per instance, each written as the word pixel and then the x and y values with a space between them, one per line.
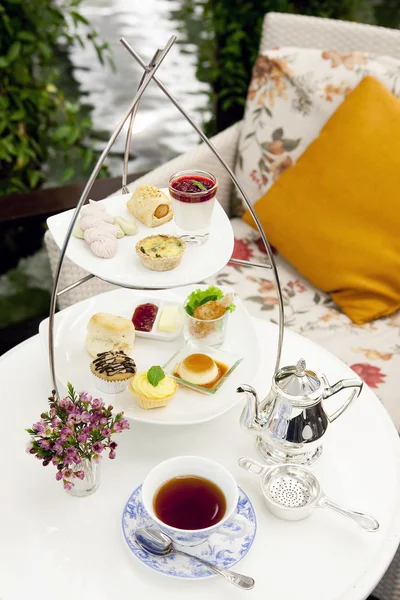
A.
pixel 94 221
pixel 91 207
pixel 104 247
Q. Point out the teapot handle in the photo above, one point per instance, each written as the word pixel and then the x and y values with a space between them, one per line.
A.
pixel 337 387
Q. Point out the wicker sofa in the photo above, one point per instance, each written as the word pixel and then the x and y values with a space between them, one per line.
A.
pixel 372 350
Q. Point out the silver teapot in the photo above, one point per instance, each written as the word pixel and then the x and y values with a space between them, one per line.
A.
pixel 291 421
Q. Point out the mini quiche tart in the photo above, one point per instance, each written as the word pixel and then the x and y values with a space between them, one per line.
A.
pixel 160 252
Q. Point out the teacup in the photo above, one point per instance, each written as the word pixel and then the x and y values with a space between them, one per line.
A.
pixel 230 525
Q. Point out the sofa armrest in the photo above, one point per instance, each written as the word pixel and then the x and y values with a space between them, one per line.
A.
pixel 200 157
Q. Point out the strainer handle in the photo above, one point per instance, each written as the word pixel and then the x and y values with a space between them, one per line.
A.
pixel 252 465
pixel 367 522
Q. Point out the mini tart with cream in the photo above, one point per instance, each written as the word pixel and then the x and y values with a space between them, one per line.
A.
pixel 152 388
pixel 201 370
pixel 112 370
pixel 160 252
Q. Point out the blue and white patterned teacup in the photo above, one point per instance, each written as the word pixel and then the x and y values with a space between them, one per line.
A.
pixel 231 525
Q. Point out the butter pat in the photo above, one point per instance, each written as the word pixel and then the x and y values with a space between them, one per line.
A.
pixel 168 318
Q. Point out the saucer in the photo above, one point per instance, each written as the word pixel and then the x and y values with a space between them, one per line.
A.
pixel 220 550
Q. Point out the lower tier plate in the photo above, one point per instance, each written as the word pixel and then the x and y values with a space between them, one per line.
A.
pixel 187 406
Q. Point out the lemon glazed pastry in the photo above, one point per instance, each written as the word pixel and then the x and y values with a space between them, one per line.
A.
pixel 150 205
pixel 152 388
pixel 160 252
pixel 109 332
pixel 112 370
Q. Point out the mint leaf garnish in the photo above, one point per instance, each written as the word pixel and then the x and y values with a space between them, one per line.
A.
pixel 155 375
pixel 199 185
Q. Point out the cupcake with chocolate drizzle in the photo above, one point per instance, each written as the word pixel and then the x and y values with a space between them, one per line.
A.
pixel 112 371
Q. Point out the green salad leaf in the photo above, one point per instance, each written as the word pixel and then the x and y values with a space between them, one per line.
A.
pixel 200 297
pixel 155 375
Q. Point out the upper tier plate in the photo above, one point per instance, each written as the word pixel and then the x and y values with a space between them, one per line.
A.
pixel 126 269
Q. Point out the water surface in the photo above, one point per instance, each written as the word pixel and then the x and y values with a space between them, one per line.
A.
pixel 160 132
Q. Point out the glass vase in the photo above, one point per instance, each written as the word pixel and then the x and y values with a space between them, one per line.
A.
pixel 91 481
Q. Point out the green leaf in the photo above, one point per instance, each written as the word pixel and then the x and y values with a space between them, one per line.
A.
pixel 199 185
pixel 67 174
pixel 290 145
pixel 73 136
pixel 277 134
pixel 200 297
pixel 78 18
pixel 257 299
pixel 14 51
pixel 45 49
pixel 155 375
pixel 34 178
pixel 18 115
pixel 249 135
pixel 3 62
pixel 62 132
pixel 26 36
pixel 88 155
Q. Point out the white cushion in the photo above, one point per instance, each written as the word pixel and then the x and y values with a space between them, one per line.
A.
pixel 292 93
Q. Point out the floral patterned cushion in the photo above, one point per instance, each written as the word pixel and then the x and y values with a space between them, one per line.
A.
pixel 292 94
pixel 371 350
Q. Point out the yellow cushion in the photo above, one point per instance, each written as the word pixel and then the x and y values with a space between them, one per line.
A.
pixel 335 215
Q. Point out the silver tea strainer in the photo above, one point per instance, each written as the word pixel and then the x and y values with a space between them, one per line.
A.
pixel 291 492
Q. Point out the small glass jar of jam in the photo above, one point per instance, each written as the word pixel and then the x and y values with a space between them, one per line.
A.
pixel 193 196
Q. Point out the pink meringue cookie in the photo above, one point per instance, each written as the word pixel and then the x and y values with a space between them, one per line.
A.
pixel 95 233
pixel 104 247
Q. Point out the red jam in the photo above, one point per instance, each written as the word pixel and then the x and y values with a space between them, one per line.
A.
pixel 144 317
pixel 185 186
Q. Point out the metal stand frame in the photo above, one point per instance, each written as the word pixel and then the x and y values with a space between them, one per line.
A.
pixel 148 75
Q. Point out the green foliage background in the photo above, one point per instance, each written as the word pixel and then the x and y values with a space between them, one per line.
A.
pixel 41 119
pixel 232 30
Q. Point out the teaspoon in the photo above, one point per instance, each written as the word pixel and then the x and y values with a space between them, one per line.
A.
pixel 160 544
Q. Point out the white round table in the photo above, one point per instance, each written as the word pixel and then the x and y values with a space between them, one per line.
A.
pixel 54 545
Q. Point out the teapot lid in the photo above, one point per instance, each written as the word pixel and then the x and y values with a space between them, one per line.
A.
pixel 297 381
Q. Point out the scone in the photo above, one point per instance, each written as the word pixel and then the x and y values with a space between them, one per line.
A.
pixel 150 205
pixel 150 392
pixel 112 370
pixel 108 332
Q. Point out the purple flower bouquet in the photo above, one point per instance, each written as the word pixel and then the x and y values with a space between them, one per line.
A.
pixel 74 433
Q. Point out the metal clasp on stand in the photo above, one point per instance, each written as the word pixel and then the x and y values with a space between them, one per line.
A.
pixel 148 75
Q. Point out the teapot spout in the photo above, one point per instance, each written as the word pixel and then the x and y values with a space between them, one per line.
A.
pixel 249 419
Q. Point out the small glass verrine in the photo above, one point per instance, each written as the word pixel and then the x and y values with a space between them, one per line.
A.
pixel 193 198
pixel 211 332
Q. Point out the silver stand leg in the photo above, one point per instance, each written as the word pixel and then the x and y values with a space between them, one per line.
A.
pixel 239 188
pixel 249 263
pixel 125 190
pixel 146 80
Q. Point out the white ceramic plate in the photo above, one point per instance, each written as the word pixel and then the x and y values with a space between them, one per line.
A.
pixel 127 270
pixel 155 333
pixel 187 406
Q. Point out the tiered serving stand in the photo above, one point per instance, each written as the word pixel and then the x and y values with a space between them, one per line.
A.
pixel 151 283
